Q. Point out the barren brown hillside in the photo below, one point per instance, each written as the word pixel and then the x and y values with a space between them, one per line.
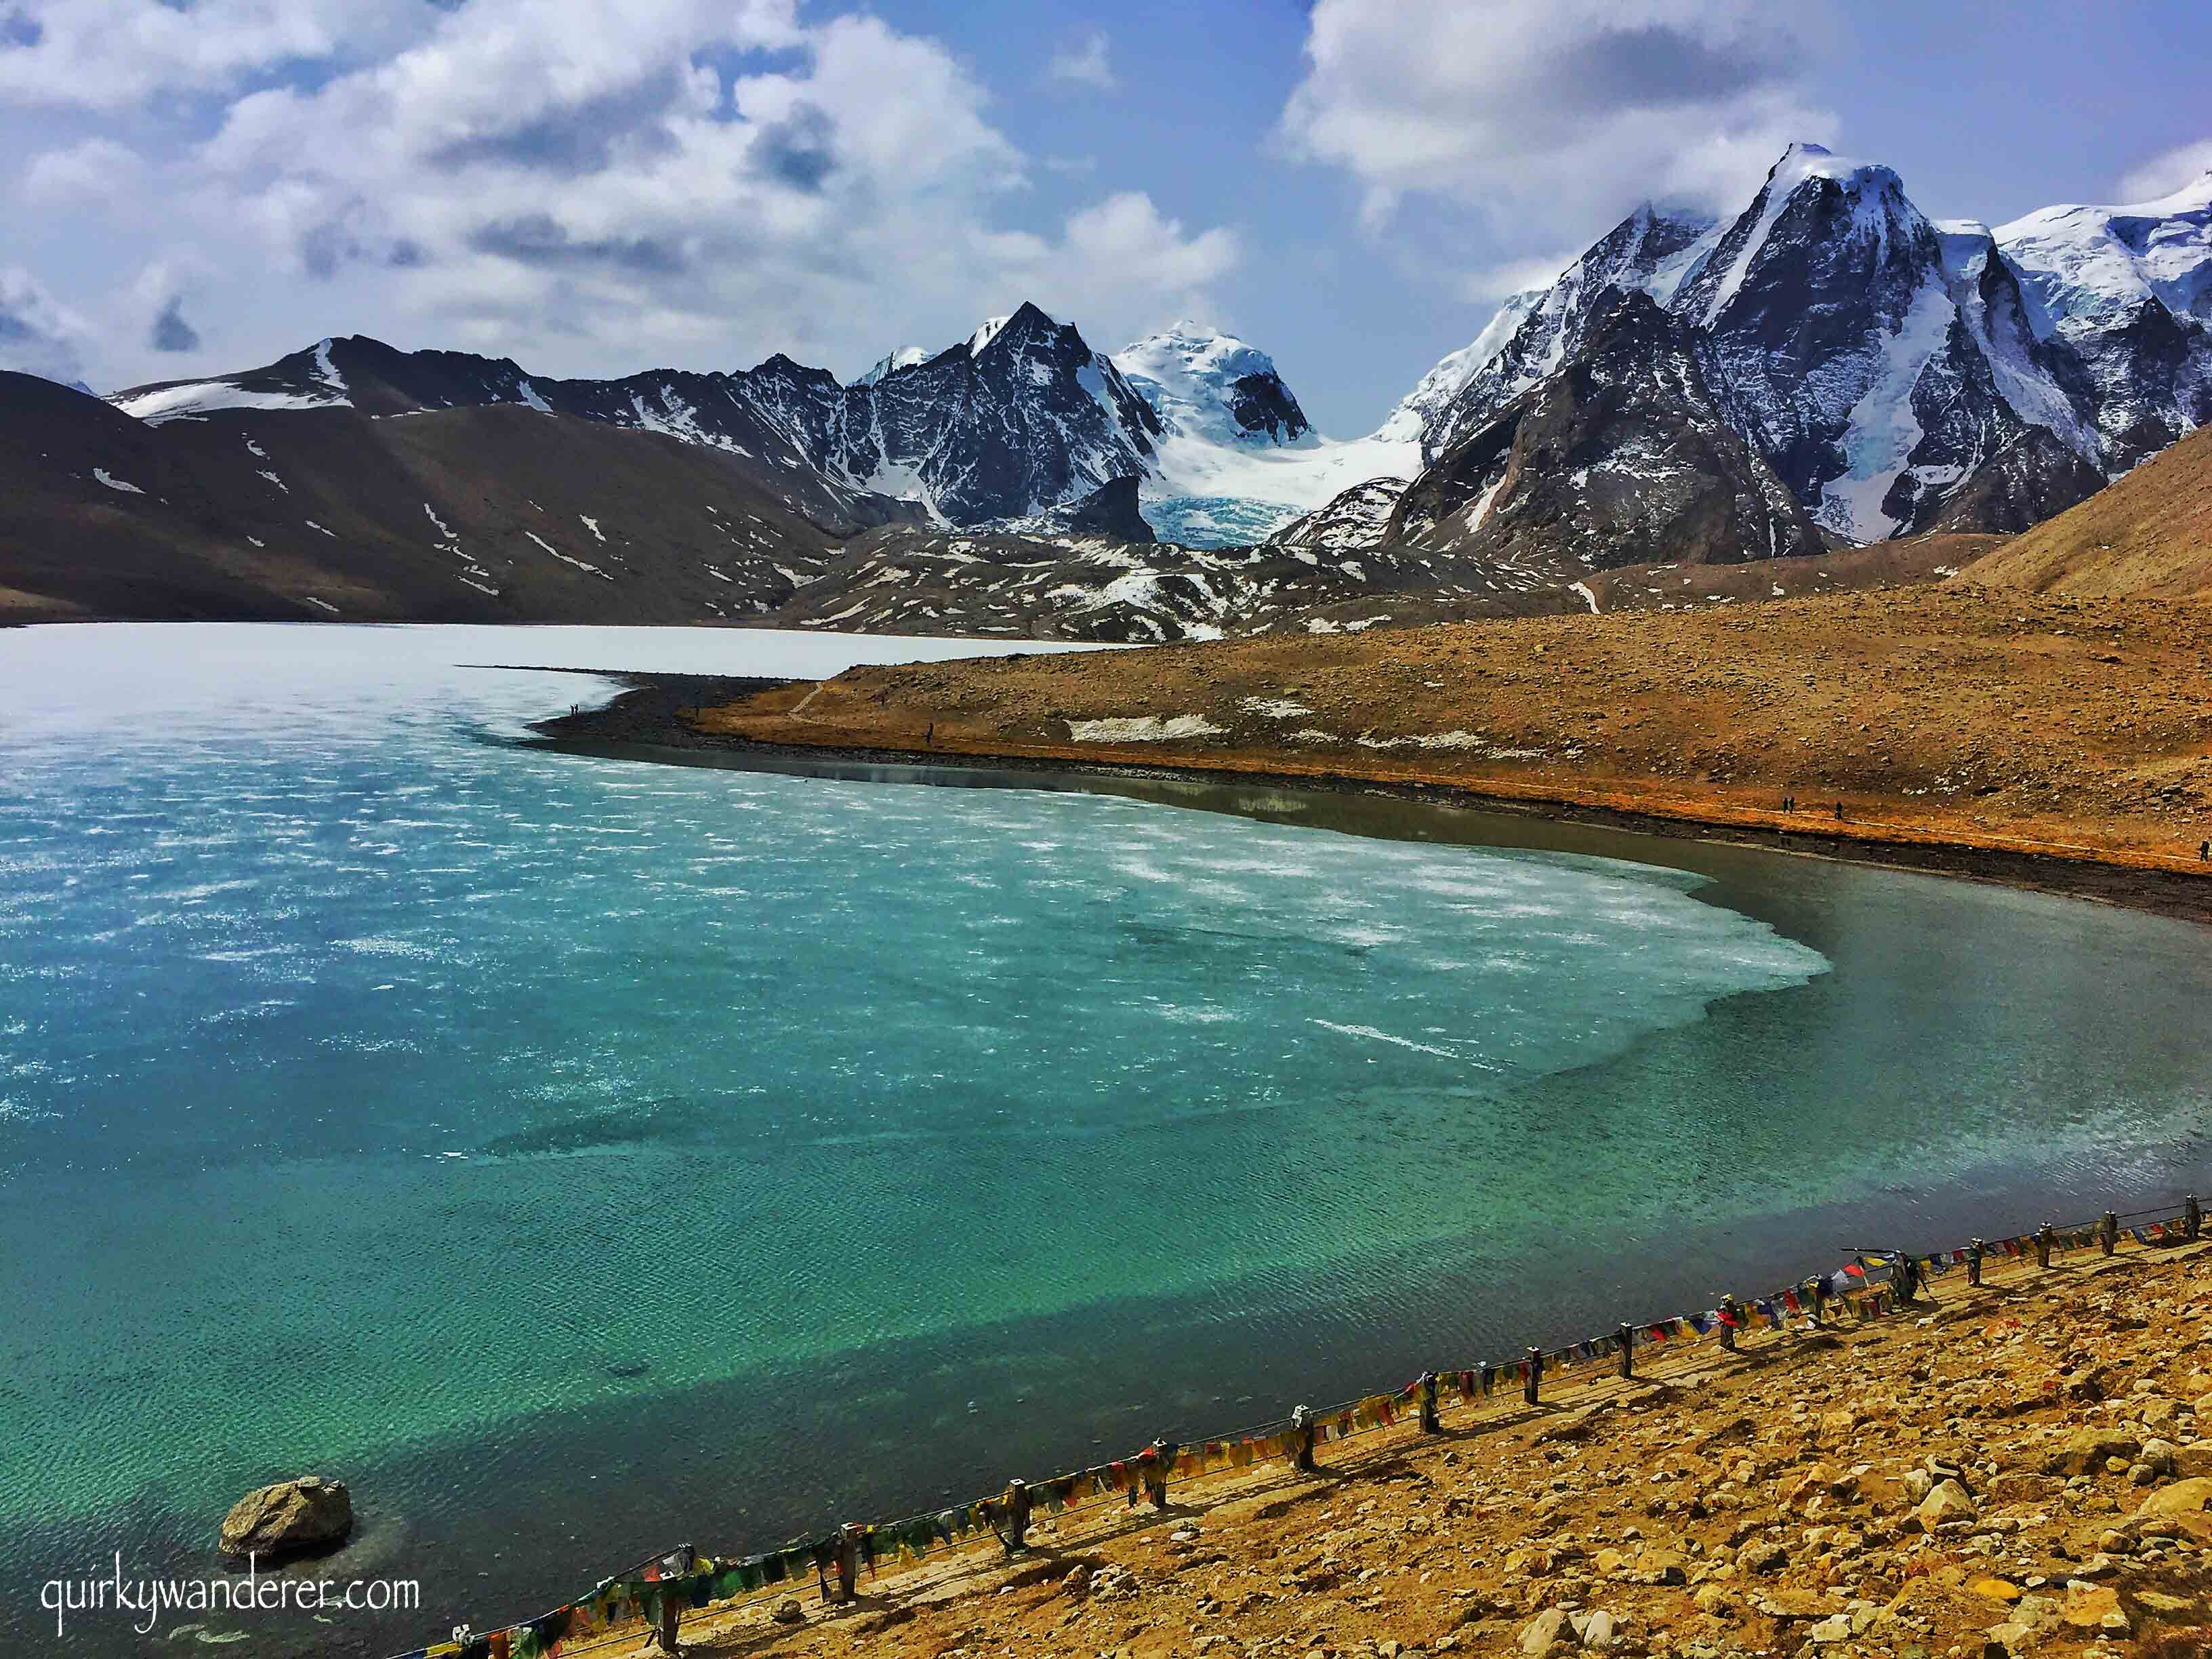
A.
pixel 2150 533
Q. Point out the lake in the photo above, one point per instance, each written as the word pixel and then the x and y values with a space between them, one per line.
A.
pixel 581 1156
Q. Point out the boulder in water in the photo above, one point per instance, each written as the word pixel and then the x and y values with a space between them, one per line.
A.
pixel 292 1518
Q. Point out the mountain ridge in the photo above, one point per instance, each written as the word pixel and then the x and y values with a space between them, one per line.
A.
pixel 1826 365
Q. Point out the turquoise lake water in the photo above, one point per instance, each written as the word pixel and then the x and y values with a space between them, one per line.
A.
pixel 563 1150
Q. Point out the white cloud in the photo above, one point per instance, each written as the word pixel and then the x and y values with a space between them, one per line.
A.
pixel 590 186
pixel 1127 230
pixel 1494 282
pixel 1114 268
pixel 115 53
pixel 2164 174
pixel 86 171
pixel 1088 62
pixel 37 334
pixel 1551 116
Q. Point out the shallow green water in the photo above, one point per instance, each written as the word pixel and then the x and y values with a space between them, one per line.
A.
pixel 546 1143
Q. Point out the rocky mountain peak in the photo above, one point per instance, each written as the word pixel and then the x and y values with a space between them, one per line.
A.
pixel 1652 251
pixel 1622 455
pixel 1027 328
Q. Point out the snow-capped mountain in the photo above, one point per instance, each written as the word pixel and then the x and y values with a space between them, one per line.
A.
pixel 1826 313
pixel 2127 292
pixel 1421 411
pixel 1882 364
pixel 1022 417
pixel 2096 265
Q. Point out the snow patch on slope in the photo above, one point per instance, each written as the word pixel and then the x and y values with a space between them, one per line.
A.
pixel 904 357
pixel 1883 429
pixel 1142 728
pixel 173 403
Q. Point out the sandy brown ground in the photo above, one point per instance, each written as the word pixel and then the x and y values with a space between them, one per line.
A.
pixel 1948 715
pixel 1787 1498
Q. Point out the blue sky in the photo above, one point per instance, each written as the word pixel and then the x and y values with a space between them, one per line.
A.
pixel 595 187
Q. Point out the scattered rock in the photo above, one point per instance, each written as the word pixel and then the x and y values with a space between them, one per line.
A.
pixel 2182 1497
pixel 2090 1386
pixel 788 1612
pixel 2032 1617
pixel 1544 1632
pixel 2085 1451
pixel 1788 1604
pixel 1946 1501
pixel 2095 1607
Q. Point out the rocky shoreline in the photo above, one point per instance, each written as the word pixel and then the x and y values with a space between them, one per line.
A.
pixel 2020 1470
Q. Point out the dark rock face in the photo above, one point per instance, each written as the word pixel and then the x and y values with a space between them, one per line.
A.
pixel 1352 521
pixel 1109 512
pixel 1261 403
pixel 2147 379
pixel 1620 457
pixel 1966 427
pixel 1032 419
pixel 2033 477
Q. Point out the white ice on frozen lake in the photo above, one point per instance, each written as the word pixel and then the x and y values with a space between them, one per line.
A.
pixel 57 678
